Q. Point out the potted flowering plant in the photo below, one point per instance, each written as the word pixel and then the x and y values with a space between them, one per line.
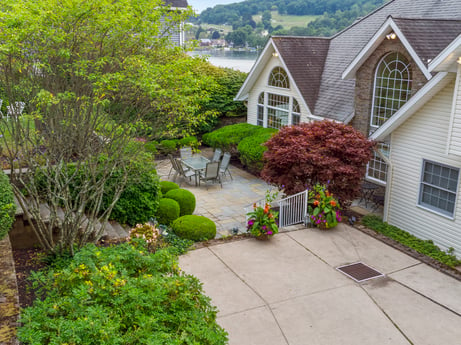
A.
pixel 262 221
pixel 324 209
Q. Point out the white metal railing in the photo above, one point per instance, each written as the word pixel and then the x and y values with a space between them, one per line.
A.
pixel 292 209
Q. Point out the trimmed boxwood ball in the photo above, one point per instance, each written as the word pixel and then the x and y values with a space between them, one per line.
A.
pixel 195 228
pixel 168 211
pixel 185 199
pixel 166 186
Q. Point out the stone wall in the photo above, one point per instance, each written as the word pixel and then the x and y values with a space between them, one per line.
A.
pixel 9 300
pixel 365 82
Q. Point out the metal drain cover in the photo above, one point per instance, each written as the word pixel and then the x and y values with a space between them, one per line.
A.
pixel 359 272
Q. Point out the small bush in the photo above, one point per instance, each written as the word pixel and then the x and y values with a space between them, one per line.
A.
pixel 426 247
pixel 168 146
pixel 185 199
pixel 251 149
pixel 227 138
pixel 168 211
pixel 151 147
pixel 120 295
pixel 195 228
pixel 166 186
pixel 7 205
pixel 189 141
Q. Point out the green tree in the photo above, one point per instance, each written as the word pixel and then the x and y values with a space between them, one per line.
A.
pixel 72 63
pixel 215 35
pixel 266 19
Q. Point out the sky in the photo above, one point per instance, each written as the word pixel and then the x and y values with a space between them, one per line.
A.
pixel 200 5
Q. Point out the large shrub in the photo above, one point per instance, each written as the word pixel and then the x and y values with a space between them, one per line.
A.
pixel 195 228
pixel 7 205
pixel 184 198
pixel 252 148
pixel 120 295
pixel 168 211
pixel 323 152
pixel 228 137
pixel 166 186
pixel 139 201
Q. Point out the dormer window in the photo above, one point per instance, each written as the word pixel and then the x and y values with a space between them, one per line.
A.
pixel 279 78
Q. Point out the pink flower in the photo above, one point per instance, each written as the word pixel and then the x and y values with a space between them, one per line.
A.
pixel 270 232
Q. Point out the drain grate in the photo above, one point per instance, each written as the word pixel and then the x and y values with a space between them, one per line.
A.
pixel 359 272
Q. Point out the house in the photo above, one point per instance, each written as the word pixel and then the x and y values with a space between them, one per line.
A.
pixel 177 34
pixel 393 75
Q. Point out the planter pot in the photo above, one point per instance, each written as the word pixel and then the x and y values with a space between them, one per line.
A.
pixel 264 237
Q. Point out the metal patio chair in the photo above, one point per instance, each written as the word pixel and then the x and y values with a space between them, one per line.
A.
pixel 15 109
pixel 216 155
pixel 211 174
pixel 185 152
pixel 187 174
pixel 224 167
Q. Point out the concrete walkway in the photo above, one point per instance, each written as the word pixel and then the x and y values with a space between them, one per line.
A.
pixel 288 291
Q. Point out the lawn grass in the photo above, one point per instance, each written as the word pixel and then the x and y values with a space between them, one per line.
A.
pixel 287 21
pixel 426 247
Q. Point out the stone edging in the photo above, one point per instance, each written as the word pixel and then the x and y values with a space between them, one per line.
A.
pixel 9 297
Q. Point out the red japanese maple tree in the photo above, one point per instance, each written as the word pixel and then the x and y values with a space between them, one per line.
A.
pixel 323 152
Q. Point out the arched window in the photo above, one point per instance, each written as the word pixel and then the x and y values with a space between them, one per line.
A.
pixel 276 111
pixel 392 87
pixel 279 78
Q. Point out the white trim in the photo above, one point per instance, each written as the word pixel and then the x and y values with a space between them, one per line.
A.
pixel 439 81
pixel 446 57
pixel 453 109
pixel 388 26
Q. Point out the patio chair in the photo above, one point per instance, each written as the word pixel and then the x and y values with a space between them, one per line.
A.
pixel 211 174
pixel 216 155
pixel 185 152
pixel 173 165
pixel 187 174
pixel 224 167
pixel 15 109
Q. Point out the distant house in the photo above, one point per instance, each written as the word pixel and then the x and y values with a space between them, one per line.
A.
pixel 394 76
pixel 177 34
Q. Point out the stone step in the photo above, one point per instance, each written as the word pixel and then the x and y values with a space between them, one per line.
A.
pixel 121 231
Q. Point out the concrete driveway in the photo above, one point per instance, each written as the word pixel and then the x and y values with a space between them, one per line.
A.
pixel 288 291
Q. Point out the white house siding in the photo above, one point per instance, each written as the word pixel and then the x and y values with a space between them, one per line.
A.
pixel 423 136
pixel 261 86
pixel 455 135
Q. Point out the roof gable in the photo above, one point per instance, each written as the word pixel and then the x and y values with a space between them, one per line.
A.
pixel 304 58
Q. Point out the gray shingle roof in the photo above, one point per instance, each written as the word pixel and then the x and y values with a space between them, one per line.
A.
pixel 336 96
pixel 301 54
pixel 429 37
pixel 176 3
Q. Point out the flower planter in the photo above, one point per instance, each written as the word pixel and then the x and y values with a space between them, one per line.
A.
pixel 264 237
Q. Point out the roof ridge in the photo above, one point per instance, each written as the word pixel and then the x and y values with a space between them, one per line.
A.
pixel 301 37
pixel 362 18
pixel 428 20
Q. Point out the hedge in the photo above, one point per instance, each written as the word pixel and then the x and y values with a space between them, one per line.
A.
pixel 227 138
pixel 251 149
pixel 7 205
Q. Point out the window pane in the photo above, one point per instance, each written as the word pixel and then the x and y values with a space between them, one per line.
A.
pixel 279 78
pixel 438 187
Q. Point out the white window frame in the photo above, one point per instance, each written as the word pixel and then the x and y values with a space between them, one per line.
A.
pixel 293 108
pixel 422 184
pixel 275 74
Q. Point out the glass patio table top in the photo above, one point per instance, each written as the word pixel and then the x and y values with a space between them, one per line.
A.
pixel 196 162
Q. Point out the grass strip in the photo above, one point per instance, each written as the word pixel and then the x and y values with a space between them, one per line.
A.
pixel 426 247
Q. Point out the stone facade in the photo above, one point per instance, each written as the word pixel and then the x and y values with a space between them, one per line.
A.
pixel 365 81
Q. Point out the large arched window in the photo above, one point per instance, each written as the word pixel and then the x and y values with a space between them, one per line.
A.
pixel 279 78
pixel 392 87
pixel 276 111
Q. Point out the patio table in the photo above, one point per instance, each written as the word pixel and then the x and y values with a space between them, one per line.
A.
pixel 197 163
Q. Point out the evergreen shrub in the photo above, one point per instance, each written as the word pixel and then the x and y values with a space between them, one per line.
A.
pixel 185 199
pixel 189 141
pixel 168 211
pixel 227 138
pixel 252 148
pixel 7 205
pixel 195 228
pixel 166 186
pixel 168 146
pixel 120 295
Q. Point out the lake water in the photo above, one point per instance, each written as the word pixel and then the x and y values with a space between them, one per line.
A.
pixel 239 60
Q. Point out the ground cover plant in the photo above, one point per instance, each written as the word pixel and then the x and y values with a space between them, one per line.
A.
pixel 324 152
pixel 426 247
pixel 120 295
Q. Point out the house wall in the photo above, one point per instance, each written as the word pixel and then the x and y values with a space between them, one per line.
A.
pixel 423 136
pixel 261 86
pixel 365 82
pixel 455 130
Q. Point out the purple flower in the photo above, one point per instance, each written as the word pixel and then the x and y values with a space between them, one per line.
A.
pixel 251 222
pixel 269 232
pixel 264 227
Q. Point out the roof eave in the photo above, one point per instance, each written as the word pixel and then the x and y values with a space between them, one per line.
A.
pixel 447 58
pixel 439 81
pixel 388 26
